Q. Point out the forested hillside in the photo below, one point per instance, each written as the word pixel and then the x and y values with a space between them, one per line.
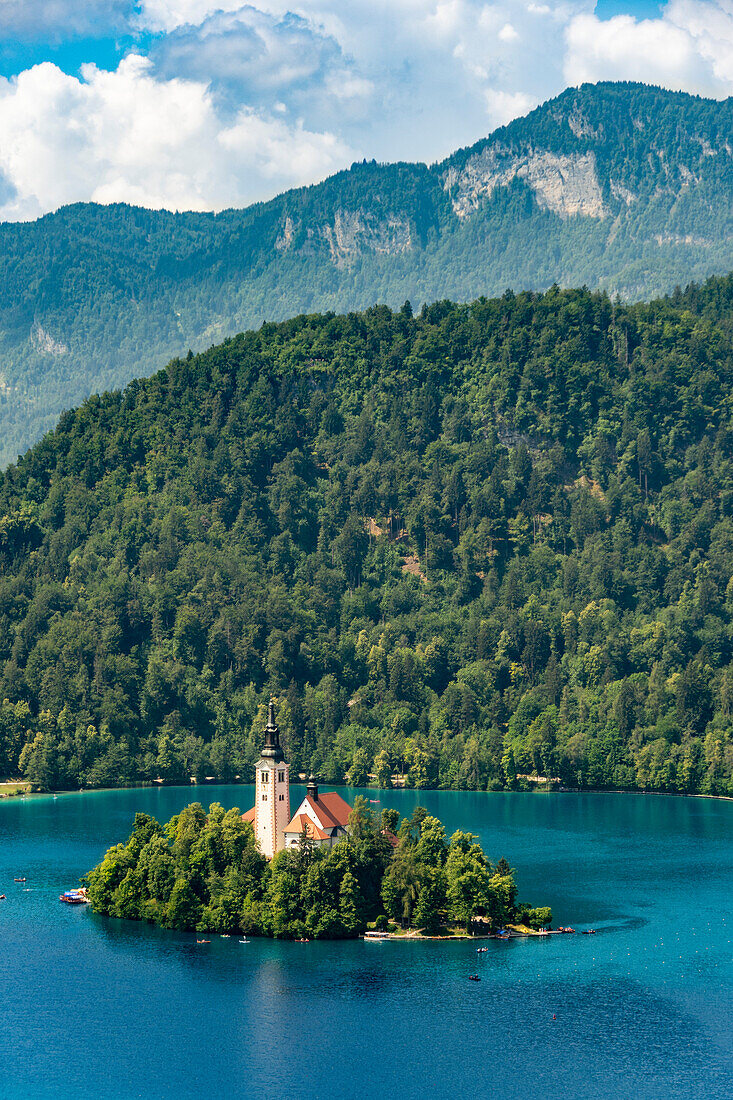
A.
pixel 489 540
pixel 621 187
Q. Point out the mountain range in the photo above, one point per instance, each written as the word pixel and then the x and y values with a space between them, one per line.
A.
pixel 621 187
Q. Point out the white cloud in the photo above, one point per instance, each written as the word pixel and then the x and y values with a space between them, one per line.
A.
pixel 128 136
pixel 249 53
pixel 276 151
pixel 344 85
pixel 237 101
pixel 59 19
pixel 508 33
pixel 504 106
pixel 404 79
pixel 166 15
pixel 710 26
pixel 690 48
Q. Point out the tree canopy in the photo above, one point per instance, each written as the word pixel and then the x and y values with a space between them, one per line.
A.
pixel 203 871
pixel 475 544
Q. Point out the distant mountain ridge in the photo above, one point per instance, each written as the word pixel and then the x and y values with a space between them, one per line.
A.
pixel 620 187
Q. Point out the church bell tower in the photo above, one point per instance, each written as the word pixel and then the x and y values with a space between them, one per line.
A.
pixel 272 791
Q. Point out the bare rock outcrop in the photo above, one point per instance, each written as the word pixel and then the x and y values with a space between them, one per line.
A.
pixel 44 342
pixel 285 238
pixel 566 184
pixel 353 233
pixel 356 231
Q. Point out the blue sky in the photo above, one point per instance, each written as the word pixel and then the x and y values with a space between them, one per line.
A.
pixel 202 104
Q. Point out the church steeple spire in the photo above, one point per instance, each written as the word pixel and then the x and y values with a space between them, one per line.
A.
pixel 272 791
pixel 272 749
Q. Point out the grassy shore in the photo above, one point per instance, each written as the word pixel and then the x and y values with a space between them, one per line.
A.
pixel 11 788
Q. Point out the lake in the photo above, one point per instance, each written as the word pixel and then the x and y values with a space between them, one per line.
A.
pixel 642 1009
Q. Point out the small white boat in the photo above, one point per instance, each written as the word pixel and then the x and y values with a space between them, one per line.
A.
pixel 244 941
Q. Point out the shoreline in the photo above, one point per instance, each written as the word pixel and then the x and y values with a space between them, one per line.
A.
pixel 145 785
pixel 415 936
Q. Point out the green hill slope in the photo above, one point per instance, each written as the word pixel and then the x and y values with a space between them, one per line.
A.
pixel 616 186
pixel 491 540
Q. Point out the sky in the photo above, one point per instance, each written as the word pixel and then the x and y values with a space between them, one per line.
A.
pixel 208 104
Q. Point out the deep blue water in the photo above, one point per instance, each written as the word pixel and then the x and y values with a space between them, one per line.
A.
pixel 644 1008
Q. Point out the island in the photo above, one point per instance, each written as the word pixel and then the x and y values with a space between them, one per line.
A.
pixel 205 872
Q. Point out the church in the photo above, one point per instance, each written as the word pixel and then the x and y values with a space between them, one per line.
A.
pixel 323 817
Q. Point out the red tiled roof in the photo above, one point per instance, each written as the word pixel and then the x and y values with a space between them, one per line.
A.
pixel 302 821
pixel 330 809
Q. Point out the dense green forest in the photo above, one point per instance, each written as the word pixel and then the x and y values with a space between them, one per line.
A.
pixel 621 187
pixel 488 541
pixel 205 872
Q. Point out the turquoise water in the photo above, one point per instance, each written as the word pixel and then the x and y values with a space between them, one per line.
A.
pixel 643 1008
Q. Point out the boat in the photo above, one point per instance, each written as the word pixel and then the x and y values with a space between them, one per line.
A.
pixel 203 941
pixel 589 932
pixel 18 880
pixel 480 949
pixel 474 978
pixel 2 897
pixel 244 941
pixel 374 801
pixel 376 935
pixel 74 897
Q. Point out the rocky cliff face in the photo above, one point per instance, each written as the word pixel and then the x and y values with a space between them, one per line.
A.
pixel 566 184
pixel 44 342
pixel 355 231
pixel 350 234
